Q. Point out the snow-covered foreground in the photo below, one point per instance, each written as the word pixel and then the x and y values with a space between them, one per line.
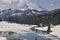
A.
pixel 56 31
pixel 23 31
pixel 3 38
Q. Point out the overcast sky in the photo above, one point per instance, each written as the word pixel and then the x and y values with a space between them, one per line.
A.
pixel 16 4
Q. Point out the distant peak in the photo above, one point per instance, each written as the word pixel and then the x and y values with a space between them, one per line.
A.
pixel 33 6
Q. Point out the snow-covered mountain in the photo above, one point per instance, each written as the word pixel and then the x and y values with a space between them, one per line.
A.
pixel 33 6
pixel 26 10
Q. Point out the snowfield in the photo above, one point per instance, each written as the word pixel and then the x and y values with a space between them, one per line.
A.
pixel 24 32
pixel 56 31
pixel 3 38
pixel 4 26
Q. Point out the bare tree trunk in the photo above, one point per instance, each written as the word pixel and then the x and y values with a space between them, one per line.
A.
pixel 49 29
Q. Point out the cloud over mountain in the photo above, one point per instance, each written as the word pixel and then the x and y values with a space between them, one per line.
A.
pixel 14 4
pixel 18 2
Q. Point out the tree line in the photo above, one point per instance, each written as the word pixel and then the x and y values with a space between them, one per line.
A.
pixel 52 17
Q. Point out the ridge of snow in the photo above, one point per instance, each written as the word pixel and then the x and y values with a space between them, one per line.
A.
pixel 22 9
